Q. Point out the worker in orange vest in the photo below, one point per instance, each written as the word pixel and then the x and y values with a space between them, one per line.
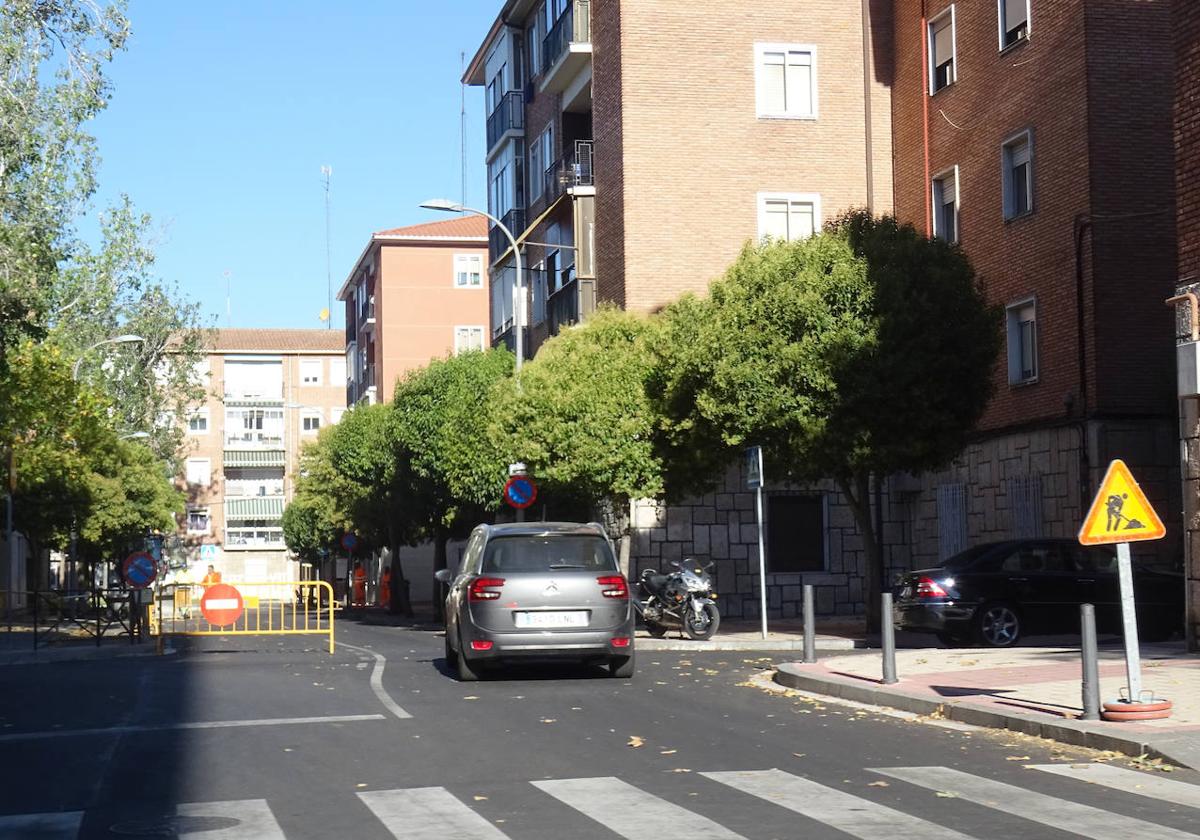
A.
pixel 360 584
pixel 385 588
pixel 212 578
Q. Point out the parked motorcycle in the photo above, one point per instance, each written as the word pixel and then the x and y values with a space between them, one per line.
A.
pixel 682 598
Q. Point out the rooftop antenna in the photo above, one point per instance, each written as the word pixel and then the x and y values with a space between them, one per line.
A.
pixel 327 172
pixel 228 307
pixel 462 125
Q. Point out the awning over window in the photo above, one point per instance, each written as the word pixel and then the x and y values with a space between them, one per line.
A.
pixel 258 507
pixel 254 457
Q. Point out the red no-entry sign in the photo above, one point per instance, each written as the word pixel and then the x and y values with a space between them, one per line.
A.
pixel 221 605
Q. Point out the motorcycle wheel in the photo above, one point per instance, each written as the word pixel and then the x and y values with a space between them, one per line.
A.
pixel 656 630
pixel 701 626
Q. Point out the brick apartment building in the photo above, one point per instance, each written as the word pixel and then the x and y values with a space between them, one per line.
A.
pixel 270 390
pixel 1186 26
pixel 415 293
pixel 1002 125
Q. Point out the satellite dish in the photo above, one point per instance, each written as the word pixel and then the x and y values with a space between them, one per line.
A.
pixel 324 316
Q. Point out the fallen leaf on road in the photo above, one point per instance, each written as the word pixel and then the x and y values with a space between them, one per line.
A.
pixel 945 794
pixel 287 749
pixel 549 720
pixel 361 784
pixel 470 697
pixel 1016 758
pixel 681 770
pixel 879 784
pixel 635 741
pixel 799 755
pixel 969 662
pixel 668 752
pixel 479 798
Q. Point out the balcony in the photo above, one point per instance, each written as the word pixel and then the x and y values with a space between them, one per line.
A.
pixel 567 47
pixel 508 116
pixel 253 537
pixel 573 169
pixel 366 313
pixel 498 243
pixel 254 440
pixel 351 326
pixel 562 307
pixel 505 336
pixel 254 458
pixel 255 507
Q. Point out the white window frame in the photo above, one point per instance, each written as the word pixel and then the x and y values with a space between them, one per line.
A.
pixel 304 377
pixel 931 50
pixel 936 193
pixel 187 520
pixel 460 259
pixel 1006 166
pixel 1002 25
pixel 803 198
pixel 1013 313
pixel 207 462
pixel 311 414
pixel 760 51
pixel 198 414
pixel 472 330
pixel 337 371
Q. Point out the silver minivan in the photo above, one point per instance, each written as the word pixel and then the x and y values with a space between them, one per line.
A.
pixel 538 590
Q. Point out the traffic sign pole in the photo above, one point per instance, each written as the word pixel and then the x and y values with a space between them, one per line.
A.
pixel 1133 661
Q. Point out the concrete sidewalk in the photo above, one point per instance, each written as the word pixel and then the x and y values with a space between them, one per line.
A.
pixel 16 648
pixel 1032 690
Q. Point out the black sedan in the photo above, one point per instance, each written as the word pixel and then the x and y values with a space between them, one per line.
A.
pixel 995 593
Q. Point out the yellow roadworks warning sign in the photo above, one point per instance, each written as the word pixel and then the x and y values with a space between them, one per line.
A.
pixel 1120 512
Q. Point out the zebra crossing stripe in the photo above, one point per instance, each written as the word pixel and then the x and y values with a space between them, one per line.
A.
pixel 1063 814
pixel 431 813
pixel 631 812
pixel 845 812
pixel 252 820
pixel 62 826
pixel 1129 781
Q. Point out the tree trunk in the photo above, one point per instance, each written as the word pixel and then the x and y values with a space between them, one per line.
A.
pixel 401 603
pixel 439 563
pixel 858 495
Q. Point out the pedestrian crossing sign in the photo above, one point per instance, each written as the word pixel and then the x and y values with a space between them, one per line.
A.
pixel 1120 512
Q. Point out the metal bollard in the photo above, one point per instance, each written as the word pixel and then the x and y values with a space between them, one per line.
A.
pixel 1091 668
pixel 889 641
pixel 810 626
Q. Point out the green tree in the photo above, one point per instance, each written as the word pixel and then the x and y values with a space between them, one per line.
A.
pixel 130 494
pixel 452 470
pixel 579 416
pixel 317 514
pixel 858 353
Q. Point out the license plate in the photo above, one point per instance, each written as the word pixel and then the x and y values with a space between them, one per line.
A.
pixel 560 618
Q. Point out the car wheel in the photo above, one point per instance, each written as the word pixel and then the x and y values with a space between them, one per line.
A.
pixel 998 625
pixel 466 673
pixel 621 667
pixel 451 654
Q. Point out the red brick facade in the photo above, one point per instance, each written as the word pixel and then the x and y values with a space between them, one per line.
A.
pixel 1187 136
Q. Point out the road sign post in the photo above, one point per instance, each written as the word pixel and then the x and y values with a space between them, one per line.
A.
pixel 1121 514
pixel 754 480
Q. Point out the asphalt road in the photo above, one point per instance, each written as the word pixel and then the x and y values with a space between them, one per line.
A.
pixel 263 738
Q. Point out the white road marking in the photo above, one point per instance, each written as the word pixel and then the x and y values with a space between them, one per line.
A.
pixel 631 812
pixel 169 727
pixel 254 820
pixel 431 813
pixel 377 681
pixel 1063 814
pixel 845 812
pixel 1129 781
pixel 61 826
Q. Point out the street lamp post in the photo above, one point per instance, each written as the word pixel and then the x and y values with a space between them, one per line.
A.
pixel 120 339
pixel 448 206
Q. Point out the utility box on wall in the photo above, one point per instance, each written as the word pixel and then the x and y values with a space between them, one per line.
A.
pixel 1187 365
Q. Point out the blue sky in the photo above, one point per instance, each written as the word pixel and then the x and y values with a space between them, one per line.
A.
pixel 224 112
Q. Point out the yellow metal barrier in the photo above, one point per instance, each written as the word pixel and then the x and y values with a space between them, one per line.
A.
pixel 302 607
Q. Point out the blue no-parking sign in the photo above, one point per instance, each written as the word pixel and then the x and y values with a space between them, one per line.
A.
pixel 139 569
pixel 520 491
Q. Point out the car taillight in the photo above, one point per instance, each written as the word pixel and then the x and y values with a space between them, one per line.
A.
pixel 485 589
pixel 930 588
pixel 620 641
pixel 481 644
pixel 613 586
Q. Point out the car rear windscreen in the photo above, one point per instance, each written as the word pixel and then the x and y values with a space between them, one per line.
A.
pixel 548 553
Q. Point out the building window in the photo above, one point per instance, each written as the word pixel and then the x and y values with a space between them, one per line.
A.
pixel 198 521
pixel 1017 156
pixel 198 422
pixel 337 371
pixel 468 271
pixel 788 216
pixel 942 46
pixel 786 80
pixel 1022 342
pixel 310 371
pixel 540 290
pixel 945 205
pixel 199 471
pixel 1014 21
pixel 467 339
pixel 951 519
pixel 541 155
pixel 796 539
pixel 310 423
